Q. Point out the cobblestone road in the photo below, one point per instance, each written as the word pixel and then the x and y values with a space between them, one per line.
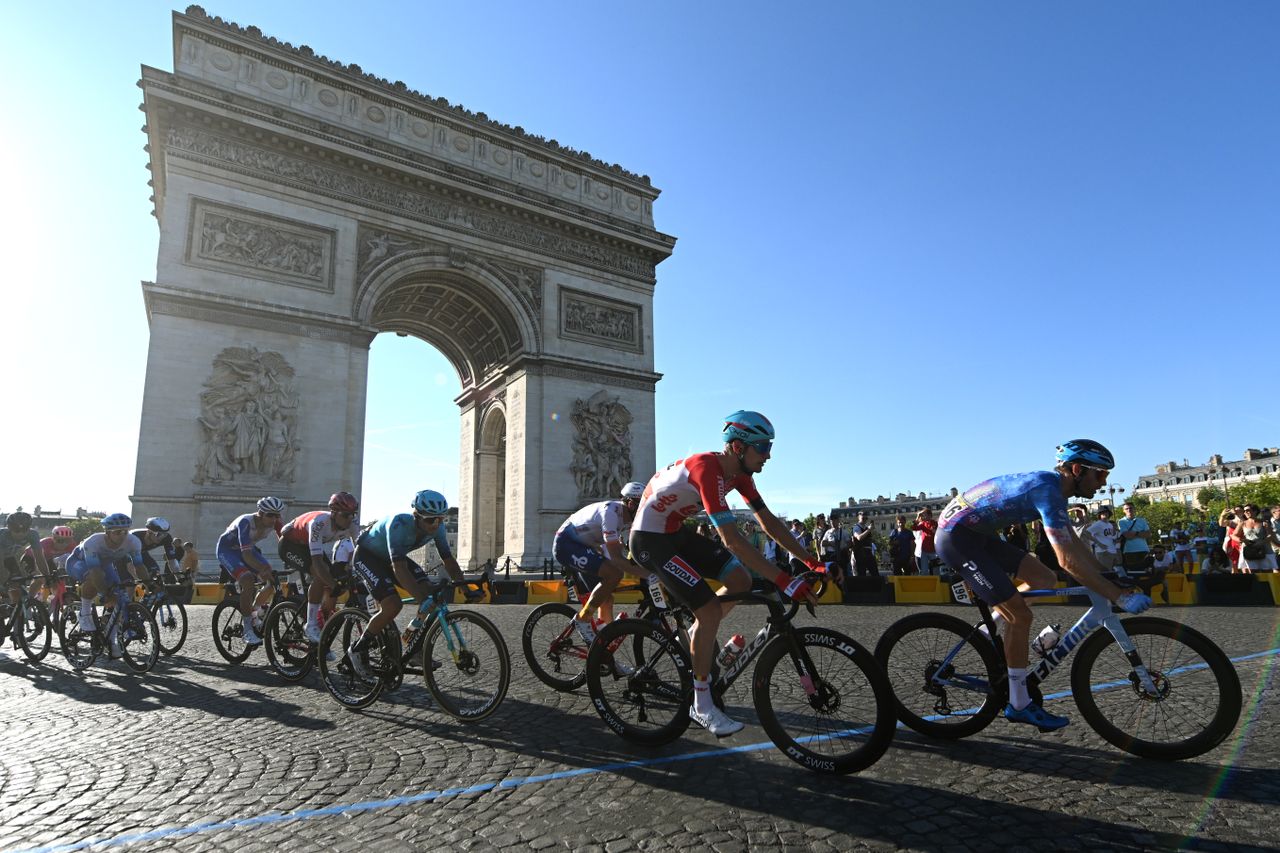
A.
pixel 108 757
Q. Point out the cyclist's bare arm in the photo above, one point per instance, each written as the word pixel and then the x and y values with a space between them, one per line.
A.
pixel 613 557
pixel 739 547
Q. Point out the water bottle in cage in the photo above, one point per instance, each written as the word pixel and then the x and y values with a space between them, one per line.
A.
pixel 1046 639
pixel 731 650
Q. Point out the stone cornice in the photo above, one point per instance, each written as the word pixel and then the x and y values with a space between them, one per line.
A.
pixel 290 124
pixel 266 316
pixel 352 76
pixel 403 196
pixel 588 371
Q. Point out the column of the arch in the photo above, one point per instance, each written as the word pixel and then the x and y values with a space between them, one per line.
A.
pixel 527 543
pixel 469 441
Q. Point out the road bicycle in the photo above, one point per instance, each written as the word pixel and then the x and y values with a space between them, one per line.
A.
pixel 464 660
pixel 820 696
pixel 228 622
pixel 139 636
pixel 284 637
pixel 1150 686
pixel 27 623
pixel 556 651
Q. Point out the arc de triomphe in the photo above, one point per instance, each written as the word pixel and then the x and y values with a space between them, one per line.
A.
pixel 305 206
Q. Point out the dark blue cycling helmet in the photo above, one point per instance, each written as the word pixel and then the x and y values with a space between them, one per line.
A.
pixel 116 521
pixel 750 427
pixel 1086 452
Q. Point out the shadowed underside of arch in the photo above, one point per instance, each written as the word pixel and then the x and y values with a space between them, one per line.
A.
pixel 470 327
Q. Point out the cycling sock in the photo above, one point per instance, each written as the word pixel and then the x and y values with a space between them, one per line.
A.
pixel 1018 696
pixel 86 606
pixel 313 613
pixel 702 697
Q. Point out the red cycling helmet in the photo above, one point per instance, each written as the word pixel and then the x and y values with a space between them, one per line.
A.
pixel 63 532
pixel 343 502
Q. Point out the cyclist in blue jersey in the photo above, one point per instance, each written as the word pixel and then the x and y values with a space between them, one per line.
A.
pixel 239 555
pixel 95 565
pixel 967 540
pixel 382 560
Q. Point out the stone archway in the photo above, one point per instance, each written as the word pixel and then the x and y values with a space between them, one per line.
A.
pixel 305 206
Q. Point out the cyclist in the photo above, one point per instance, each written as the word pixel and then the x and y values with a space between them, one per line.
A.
pixel 590 547
pixel 239 555
pixel 661 542
pixel 17 538
pixel 304 546
pixel 154 534
pixel 967 540
pixel 56 548
pixel 381 561
pixel 95 565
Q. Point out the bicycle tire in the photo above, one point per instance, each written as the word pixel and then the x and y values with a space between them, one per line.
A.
pixel 80 649
pixel 228 632
pixel 553 648
pixel 912 649
pixel 345 685
pixel 171 620
pixel 849 706
pixel 33 633
pixel 284 640
pixel 139 639
pixel 1198 684
pixel 472 684
pixel 650 704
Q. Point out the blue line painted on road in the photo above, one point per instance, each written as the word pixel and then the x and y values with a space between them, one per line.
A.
pixel 480 788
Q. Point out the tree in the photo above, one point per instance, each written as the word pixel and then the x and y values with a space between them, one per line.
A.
pixel 1208 495
pixel 83 528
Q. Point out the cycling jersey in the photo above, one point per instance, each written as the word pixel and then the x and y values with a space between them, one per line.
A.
pixel 687 486
pixel 394 537
pixel 52 553
pixel 992 505
pixel 95 551
pixel 597 524
pixel 172 550
pixel 240 536
pixel 12 547
pixel 315 530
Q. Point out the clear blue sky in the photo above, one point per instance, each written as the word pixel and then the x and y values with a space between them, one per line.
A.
pixel 930 240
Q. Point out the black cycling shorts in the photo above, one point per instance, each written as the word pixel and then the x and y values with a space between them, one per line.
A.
pixel 682 559
pixel 376 573
pixel 986 562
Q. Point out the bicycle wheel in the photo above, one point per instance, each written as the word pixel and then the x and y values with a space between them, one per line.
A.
pixel 555 650
pixel 475 666
pixel 340 678
pixel 285 642
pixel 228 632
pixel 140 638
pixel 833 712
pixel 641 682
pixel 80 648
pixel 32 632
pixel 951 701
pixel 1196 703
pixel 171 620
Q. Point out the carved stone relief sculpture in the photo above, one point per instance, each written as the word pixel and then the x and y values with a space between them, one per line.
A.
pixel 236 241
pixel 601 447
pixel 248 417
pixel 599 320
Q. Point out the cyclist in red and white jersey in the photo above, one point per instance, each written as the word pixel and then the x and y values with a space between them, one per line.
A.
pixel 660 542
pixel 56 549
pixel 305 546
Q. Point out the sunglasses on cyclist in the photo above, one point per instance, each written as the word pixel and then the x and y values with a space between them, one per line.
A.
pixel 761 447
pixel 431 519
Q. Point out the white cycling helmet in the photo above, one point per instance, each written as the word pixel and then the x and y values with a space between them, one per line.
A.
pixel 270 505
pixel 633 491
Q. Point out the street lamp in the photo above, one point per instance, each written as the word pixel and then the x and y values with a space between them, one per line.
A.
pixel 1111 495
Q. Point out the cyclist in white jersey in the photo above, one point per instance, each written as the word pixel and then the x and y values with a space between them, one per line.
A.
pixel 590 545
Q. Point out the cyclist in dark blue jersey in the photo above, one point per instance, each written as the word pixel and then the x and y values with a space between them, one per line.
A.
pixel 968 541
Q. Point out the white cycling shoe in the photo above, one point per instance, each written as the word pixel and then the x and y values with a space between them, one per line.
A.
pixel 87 625
pixel 312 633
pixel 715 721
pixel 250 636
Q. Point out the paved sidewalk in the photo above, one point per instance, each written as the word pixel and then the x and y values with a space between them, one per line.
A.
pixel 197 744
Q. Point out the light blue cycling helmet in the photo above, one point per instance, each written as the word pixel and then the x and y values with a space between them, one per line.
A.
pixel 428 502
pixel 116 521
pixel 1086 452
pixel 751 427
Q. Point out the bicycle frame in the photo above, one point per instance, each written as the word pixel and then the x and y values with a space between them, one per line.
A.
pixel 1099 615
